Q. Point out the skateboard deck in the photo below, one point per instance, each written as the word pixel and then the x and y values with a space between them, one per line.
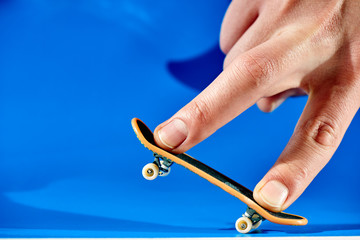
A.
pixel 146 137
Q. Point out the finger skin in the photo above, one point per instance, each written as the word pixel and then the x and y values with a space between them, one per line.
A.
pixel 316 137
pixel 269 104
pixel 305 44
pixel 240 15
pixel 218 104
pixel 237 88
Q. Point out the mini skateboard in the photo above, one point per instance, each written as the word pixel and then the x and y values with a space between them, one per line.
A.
pixel 161 166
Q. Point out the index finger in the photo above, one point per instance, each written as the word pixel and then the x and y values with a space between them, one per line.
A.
pixel 237 88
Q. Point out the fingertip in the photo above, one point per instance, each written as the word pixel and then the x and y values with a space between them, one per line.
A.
pixel 258 198
pixel 223 43
pixel 171 134
pixel 265 105
pixel 157 138
pixel 271 195
pixel 269 104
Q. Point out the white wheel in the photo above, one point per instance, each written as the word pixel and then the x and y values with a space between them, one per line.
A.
pixel 257 225
pixel 164 174
pixel 243 225
pixel 150 171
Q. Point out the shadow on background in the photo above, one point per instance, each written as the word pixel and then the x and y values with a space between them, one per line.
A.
pixel 200 71
pixel 50 220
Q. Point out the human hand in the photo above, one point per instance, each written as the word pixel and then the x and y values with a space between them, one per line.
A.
pixel 276 49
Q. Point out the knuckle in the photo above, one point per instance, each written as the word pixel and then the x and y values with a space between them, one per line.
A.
pixel 293 175
pixel 200 113
pixel 332 25
pixel 321 131
pixel 329 32
pixel 299 174
pixel 257 69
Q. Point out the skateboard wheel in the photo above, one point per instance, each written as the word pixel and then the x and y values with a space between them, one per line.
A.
pixel 257 225
pixel 150 171
pixel 243 225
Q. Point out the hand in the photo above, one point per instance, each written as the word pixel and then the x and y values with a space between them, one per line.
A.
pixel 276 49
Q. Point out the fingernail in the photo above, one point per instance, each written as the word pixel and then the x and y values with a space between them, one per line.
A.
pixel 173 134
pixel 274 193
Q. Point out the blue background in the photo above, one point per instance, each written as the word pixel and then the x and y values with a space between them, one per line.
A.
pixel 74 73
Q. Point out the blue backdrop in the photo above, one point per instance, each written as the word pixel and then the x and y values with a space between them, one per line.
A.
pixel 74 73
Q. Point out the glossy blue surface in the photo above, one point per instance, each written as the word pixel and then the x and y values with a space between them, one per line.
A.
pixel 74 73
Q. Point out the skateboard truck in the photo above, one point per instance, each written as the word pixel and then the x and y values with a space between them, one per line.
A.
pixel 163 163
pixel 250 220
pixel 160 167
